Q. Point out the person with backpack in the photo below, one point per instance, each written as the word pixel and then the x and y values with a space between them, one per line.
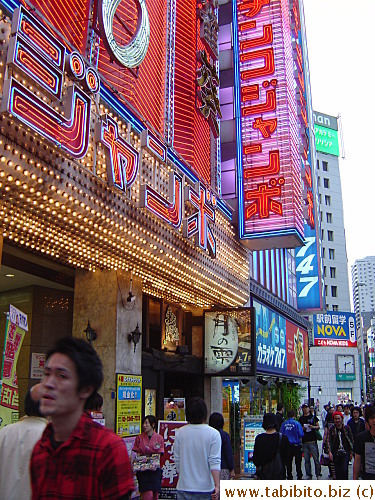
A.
pixel 340 445
pixel 271 450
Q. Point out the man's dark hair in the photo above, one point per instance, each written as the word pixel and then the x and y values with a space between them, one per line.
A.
pixel 216 420
pixel 369 412
pixel 152 420
pixel 356 408
pixel 86 360
pixel 291 414
pixel 94 403
pixel 279 407
pixel 196 411
pixel 31 406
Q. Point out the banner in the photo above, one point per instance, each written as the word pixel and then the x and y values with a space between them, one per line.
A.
pixel 15 330
pixel 282 346
pixel 174 409
pixel 167 429
pixel 128 404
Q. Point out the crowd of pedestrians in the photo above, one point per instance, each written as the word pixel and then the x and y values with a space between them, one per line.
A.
pixel 71 456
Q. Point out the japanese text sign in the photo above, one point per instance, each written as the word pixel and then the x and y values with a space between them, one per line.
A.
pixel 281 346
pixel 336 329
pixel 269 174
pixel 128 404
pixel 228 341
pixel 167 429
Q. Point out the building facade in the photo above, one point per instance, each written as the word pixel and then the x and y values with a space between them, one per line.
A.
pixel 138 197
pixel 327 384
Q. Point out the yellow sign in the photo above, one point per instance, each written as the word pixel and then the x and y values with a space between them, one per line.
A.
pixel 14 336
pixel 174 409
pixel 128 404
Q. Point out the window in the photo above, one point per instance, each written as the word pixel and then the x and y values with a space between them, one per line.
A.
pixel 325 166
pixel 317 164
pixel 322 234
pixel 330 235
pixel 326 182
pixel 335 307
pixel 331 253
pixel 327 200
pixel 334 291
pixel 329 217
pixel 332 271
pixel 324 271
pixel 323 252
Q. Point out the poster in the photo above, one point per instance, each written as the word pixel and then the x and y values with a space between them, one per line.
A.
pixel 167 429
pixel 250 429
pixel 37 365
pixel 228 341
pixel 297 354
pixel 150 402
pixel 335 329
pixel 174 409
pixel 14 335
pixel 128 404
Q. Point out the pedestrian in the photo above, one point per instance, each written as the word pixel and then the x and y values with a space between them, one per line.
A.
pixel 340 445
pixel 310 424
pixel 356 423
pixel 294 432
pixel 266 447
pixel 227 466
pixel 324 414
pixel 76 457
pixel 16 445
pixel 146 444
pixel 279 415
pixel 347 415
pixel 364 448
pixel 197 452
pixel 329 423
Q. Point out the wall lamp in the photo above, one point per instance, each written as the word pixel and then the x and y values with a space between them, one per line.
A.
pixel 135 336
pixel 90 333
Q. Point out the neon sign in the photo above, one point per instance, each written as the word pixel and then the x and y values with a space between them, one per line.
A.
pixel 197 224
pixel 69 129
pixel 269 181
pixel 132 54
pixel 122 161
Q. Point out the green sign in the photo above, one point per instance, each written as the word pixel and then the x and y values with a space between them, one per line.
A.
pixel 345 376
pixel 326 140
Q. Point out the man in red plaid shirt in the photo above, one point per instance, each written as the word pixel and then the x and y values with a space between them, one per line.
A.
pixel 76 457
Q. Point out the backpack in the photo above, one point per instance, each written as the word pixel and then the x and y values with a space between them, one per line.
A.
pixel 274 469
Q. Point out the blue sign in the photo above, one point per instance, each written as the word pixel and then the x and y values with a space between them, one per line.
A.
pixel 251 429
pixel 309 290
pixel 270 340
pixel 335 329
pixel 129 393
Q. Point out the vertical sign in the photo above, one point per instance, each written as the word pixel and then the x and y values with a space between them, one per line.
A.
pixel 251 428
pixel 308 261
pixel 16 328
pixel 169 479
pixel 269 174
pixel 128 404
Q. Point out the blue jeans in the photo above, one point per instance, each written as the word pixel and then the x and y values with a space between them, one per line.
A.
pixel 313 449
pixel 189 495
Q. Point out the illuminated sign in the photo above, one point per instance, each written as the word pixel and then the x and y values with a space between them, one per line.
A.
pixel 282 347
pixel 326 140
pixel 41 58
pixel 335 329
pixel 268 153
pixel 228 341
pixel 209 30
pixel 208 81
pixel 132 54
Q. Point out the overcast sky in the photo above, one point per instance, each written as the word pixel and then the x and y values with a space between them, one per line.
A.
pixel 341 46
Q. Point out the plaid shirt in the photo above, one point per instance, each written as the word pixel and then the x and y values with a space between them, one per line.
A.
pixel 93 463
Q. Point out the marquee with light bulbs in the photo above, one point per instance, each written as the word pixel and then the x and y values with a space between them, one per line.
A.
pixel 81 184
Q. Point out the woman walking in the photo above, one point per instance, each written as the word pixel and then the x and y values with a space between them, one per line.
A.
pixel 227 467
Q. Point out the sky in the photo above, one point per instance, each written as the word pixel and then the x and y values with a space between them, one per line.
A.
pixel 341 50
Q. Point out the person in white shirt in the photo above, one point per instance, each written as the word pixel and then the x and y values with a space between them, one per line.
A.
pixel 347 415
pixel 197 455
pixel 17 442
